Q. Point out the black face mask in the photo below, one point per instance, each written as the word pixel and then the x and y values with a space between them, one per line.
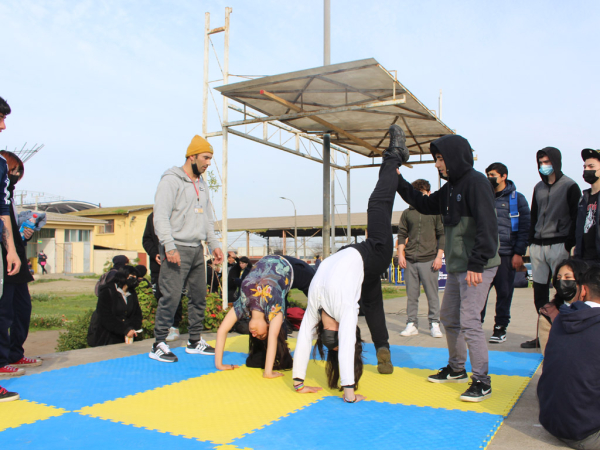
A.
pixel 566 289
pixel 590 176
pixel 195 170
pixel 132 283
pixel 13 179
pixel 330 339
pixel 494 182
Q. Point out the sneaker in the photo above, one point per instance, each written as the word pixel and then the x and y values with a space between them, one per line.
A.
pixel 534 343
pixel 10 371
pixel 6 396
pixel 29 362
pixel 410 330
pixel 384 361
pixel 435 330
pixel 173 334
pixel 499 335
pixel 397 144
pixel 477 392
pixel 447 375
pixel 199 348
pixel 161 352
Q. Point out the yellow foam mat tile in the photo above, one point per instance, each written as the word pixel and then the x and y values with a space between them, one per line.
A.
pixel 21 412
pixel 410 387
pixel 217 407
pixel 239 344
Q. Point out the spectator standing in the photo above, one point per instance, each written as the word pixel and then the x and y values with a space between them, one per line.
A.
pixel 568 389
pixel 466 203
pixel 233 272
pixel 182 220
pixel 420 253
pixel 42 258
pixel 553 220
pixel 8 245
pixel 514 219
pixel 317 262
pixel 587 242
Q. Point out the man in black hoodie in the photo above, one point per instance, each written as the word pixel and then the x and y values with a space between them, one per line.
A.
pixel 569 388
pixel 553 219
pixel 466 203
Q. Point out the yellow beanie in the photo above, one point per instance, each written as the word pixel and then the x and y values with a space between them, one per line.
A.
pixel 198 145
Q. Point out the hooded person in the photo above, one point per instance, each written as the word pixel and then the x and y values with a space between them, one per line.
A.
pixel 553 220
pixel 466 204
pixel 568 389
pixel 587 231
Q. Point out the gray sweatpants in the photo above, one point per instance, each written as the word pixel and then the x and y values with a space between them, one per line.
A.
pixel 171 280
pixel 461 317
pixel 414 275
pixel 544 259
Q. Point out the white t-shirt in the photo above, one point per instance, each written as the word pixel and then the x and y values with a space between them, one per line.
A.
pixel 336 288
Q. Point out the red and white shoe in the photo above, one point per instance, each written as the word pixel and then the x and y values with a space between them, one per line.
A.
pixel 10 371
pixel 29 362
pixel 6 396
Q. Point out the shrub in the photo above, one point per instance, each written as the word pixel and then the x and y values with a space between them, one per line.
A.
pixel 214 314
pixel 43 297
pixel 75 336
pixel 49 321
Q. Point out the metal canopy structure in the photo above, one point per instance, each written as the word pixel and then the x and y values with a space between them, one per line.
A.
pixel 354 102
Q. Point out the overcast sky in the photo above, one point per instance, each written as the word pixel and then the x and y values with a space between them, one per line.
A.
pixel 114 89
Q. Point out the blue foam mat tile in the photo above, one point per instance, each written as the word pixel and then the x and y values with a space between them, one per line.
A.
pixel 73 431
pixel 331 423
pixel 75 387
pixel 500 363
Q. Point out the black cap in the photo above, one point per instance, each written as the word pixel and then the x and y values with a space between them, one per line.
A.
pixel 588 153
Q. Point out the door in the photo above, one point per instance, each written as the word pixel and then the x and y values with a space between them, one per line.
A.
pixel 68 257
pixel 86 257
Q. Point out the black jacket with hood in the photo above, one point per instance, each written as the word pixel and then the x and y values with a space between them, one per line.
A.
pixel 554 206
pixel 569 388
pixel 466 204
pixel 151 245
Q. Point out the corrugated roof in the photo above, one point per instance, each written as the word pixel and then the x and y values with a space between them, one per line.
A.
pixel 111 210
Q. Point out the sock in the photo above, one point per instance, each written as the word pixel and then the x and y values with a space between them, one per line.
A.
pixel 194 341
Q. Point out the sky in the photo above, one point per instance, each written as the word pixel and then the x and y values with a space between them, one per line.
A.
pixel 114 89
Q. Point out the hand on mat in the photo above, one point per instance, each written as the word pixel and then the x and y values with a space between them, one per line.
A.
pixel 360 397
pixel 228 367
pixel 309 390
pixel 473 278
pixel 272 374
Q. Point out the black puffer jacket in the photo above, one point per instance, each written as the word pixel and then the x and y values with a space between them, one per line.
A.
pixel 512 242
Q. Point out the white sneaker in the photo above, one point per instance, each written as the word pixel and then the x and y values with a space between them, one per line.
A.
pixel 435 330
pixel 200 348
pixel 173 334
pixel 410 330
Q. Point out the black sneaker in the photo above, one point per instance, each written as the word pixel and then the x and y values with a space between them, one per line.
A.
pixel 499 335
pixel 534 343
pixel 447 375
pixel 477 392
pixel 6 396
pixel 398 144
pixel 199 348
pixel 384 361
pixel 162 352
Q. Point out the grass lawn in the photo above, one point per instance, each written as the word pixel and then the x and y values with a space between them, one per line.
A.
pixel 69 306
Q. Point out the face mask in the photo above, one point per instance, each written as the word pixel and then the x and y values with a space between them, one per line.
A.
pixel 132 283
pixel 590 176
pixel 330 339
pixel 546 169
pixel 566 289
pixel 494 182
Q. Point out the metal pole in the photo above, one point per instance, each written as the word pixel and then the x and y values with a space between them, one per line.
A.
pixel 326 32
pixel 349 219
pixel 247 243
pixel 326 194
pixel 205 84
pixel 440 106
pixel 295 226
pixel 225 139
pixel 333 206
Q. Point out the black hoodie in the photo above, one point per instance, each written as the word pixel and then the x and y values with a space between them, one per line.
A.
pixel 554 206
pixel 466 204
pixel 569 388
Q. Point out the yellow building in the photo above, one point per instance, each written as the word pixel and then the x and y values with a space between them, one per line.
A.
pixel 68 242
pixel 122 228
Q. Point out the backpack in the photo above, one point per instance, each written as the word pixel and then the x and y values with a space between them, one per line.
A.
pixel 294 317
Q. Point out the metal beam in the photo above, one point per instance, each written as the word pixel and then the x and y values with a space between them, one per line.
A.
pixel 326 196
pixel 366 166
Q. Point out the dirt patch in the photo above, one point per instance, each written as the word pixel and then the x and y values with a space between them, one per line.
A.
pixel 73 286
pixel 41 343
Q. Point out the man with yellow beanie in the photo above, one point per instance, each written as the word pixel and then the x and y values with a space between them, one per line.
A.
pixel 183 218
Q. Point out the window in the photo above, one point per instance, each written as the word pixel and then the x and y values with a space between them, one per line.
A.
pixel 109 227
pixel 77 235
pixel 44 233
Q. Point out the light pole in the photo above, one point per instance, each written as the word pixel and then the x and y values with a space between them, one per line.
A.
pixel 295 228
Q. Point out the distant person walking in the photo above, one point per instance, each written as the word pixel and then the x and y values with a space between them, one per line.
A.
pixel 42 258
pixel 182 220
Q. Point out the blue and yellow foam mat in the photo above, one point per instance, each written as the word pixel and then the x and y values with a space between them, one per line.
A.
pixel 135 402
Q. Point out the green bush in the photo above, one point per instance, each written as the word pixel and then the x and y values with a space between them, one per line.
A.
pixel 43 297
pixel 49 321
pixel 75 336
pixel 214 314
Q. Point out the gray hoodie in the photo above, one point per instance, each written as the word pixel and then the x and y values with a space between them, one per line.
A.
pixel 181 217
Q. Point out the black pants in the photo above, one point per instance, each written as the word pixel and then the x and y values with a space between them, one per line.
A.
pixel 158 295
pixel 15 314
pixel 378 249
pixel 43 269
pixel 504 282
